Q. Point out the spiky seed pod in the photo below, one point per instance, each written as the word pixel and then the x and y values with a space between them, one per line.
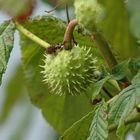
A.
pixel 70 71
pixel 89 13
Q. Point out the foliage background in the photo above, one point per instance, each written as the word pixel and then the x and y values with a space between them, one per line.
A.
pixel 30 115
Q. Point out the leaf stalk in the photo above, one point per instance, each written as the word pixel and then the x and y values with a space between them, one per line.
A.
pixel 31 36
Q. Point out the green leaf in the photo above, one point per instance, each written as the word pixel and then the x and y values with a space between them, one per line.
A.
pixel 59 3
pixel 122 133
pixel 134 65
pixel 137 132
pixel 120 70
pixel 99 126
pixel 116 29
pixel 123 130
pixel 80 129
pixel 136 79
pixel 92 126
pixel 7 30
pixel 124 104
pixel 134 9
pixel 14 93
pixel 112 87
pixel 60 111
pixel 129 98
pixel 97 87
pixel 112 135
pixel 53 3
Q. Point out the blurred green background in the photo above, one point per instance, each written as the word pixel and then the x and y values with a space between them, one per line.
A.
pixel 19 119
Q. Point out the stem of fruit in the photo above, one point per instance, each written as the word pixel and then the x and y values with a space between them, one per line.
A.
pixel 104 48
pixel 68 19
pixel 69 33
pixel 31 36
pixel 106 52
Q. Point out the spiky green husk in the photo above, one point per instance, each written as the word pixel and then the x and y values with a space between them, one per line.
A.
pixel 89 13
pixel 69 72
